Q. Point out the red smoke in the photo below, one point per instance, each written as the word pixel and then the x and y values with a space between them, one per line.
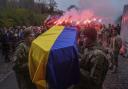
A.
pixel 111 10
pixel 79 17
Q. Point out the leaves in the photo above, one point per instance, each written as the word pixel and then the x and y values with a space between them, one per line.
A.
pixel 20 16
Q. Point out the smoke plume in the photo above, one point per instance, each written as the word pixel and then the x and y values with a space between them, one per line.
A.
pixel 110 9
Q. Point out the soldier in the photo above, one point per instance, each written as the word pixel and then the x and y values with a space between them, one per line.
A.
pixel 80 41
pixel 118 27
pixel 93 63
pixel 116 44
pixel 21 61
pixel 5 44
pixel 106 47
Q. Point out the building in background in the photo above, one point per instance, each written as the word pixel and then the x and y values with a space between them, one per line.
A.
pixel 29 4
pixel 45 6
pixel 42 6
pixel 13 3
pixel 124 28
pixel 3 3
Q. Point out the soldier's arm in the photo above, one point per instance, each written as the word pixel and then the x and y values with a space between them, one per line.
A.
pixel 19 55
pixel 83 68
pixel 99 70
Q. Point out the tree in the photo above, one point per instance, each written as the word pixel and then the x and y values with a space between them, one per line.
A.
pixel 52 5
pixel 72 7
pixel 20 16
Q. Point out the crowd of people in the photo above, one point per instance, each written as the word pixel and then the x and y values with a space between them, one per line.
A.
pixel 98 52
pixel 12 36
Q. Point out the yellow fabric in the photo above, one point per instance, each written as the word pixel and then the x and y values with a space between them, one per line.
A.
pixel 38 55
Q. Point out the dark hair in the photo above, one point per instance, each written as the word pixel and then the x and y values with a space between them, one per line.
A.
pixel 91 33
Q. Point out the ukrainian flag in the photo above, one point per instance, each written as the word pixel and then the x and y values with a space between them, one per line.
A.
pixel 53 60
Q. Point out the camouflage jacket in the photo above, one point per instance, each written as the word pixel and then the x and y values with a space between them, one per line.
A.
pixel 21 57
pixel 93 67
pixel 116 43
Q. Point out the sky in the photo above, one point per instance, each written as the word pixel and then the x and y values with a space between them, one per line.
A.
pixel 64 4
pixel 106 8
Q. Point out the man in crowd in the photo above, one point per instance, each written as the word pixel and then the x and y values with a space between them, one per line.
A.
pixel 81 41
pixel 93 63
pixel 116 44
pixel 118 28
pixel 5 39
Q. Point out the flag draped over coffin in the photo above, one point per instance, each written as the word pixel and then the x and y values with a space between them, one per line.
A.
pixel 53 59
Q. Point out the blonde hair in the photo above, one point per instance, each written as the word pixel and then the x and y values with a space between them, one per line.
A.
pixel 27 32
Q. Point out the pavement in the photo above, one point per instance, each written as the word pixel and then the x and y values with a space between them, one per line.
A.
pixel 4 73
pixel 5 68
pixel 118 80
pixel 7 75
pixel 10 82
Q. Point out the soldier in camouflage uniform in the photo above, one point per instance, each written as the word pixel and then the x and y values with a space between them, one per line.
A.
pixel 80 41
pixel 21 61
pixel 116 44
pixel 106 47
pixel 93 63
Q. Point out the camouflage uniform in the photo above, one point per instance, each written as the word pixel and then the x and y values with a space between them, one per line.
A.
pixel 81 42
pixel 21 67
pixel 93 67
pixel 116 44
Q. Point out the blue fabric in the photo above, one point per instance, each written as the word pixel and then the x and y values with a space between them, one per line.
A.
pixel 63 64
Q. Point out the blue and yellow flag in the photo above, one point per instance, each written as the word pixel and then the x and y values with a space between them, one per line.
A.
pixel 53 60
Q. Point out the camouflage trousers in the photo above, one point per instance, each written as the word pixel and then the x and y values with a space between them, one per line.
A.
pixel 24 81
pixel 86 83
pixel 115 58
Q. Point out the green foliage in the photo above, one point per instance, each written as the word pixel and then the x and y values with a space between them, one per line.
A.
pixel 19 16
